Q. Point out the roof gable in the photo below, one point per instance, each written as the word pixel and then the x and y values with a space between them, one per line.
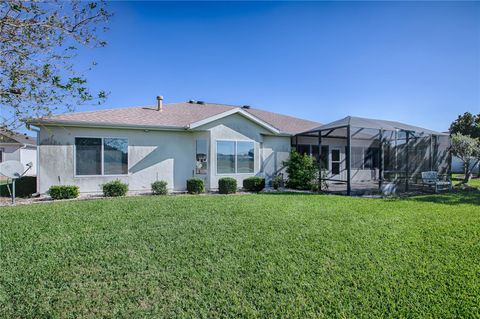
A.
pixel 245 114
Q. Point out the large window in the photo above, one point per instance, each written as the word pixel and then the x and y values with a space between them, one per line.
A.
pixel 235 157
pixel 245 157
pixel 225 157
pixel 101 156
pixel 201 157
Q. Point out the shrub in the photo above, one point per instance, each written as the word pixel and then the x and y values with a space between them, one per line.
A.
pixel 195 186
pixel 301 170
pixel 63 191
pixel 277 181
pixel 254 184
pixel 160 188
pixel 115 188
pixel 227 185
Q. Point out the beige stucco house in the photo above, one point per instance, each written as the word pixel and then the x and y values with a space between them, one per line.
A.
pixel 171 142
pixel 174 142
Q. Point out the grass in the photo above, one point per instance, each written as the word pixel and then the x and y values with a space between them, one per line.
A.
pixel 457 179
pixel 242 256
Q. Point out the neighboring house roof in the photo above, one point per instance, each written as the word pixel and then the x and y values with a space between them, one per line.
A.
pixel 7 137
pixel 361 122
pixel 183 115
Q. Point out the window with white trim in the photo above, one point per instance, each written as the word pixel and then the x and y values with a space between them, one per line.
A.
pixel 235 157
pixel 201 156
pixel 101 156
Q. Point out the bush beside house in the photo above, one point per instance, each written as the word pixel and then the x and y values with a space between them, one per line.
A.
pixel 254 184
pixel 160 188
pixel 227 185
pixel 301 170
pixel 115 188
pixel 195 186
pixel 63 191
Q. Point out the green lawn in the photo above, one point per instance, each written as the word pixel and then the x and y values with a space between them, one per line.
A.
pixel 242 256
pixel 458 178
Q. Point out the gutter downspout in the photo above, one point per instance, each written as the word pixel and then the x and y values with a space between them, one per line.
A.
pixel 37 156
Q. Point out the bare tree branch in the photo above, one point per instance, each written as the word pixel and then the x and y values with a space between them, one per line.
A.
pixel 37 45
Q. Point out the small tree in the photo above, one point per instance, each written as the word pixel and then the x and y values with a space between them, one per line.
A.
pixel 301 170
pixel 467 149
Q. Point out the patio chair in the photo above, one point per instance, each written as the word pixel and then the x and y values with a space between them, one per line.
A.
pixel 431 179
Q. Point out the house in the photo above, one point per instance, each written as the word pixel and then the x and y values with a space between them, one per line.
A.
pixel 458 166
pixel 171 142
pixel 177 141
pixel 19 147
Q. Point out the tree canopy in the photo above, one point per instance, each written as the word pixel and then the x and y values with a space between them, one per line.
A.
pixel 466 124
pixel 38 43
pixel 467 149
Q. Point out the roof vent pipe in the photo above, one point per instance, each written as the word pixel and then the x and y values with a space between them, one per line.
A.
pixel 159 103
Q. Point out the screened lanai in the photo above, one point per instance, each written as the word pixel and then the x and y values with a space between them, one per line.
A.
pixel 360 155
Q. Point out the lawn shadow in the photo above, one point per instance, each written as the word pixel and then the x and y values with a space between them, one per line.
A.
pixel 286 192
pixel 451 198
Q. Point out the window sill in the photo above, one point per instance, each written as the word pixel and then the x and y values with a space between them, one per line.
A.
pixel 90 176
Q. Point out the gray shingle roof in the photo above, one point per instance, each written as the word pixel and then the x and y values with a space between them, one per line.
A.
pixel 175 115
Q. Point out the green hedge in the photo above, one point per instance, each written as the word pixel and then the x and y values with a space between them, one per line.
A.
pixel 195 186
pixel 115 188
pixel 24 187
pixel 254 184
pixel 160 188
pixel 63 191
pixel 227 185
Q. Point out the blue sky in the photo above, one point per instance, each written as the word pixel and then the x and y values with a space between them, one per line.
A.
pixel 415 62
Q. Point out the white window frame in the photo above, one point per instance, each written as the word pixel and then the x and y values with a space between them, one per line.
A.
pixel 102 159
pixel 207 154
pixel 234 156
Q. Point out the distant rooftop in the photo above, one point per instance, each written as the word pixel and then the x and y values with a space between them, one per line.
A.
pixel 14 137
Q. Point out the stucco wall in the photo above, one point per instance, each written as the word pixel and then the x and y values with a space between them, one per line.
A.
pixel 158 155
pixel 27 155
pixel 233 127
pixel 275 150
pixel 152 155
